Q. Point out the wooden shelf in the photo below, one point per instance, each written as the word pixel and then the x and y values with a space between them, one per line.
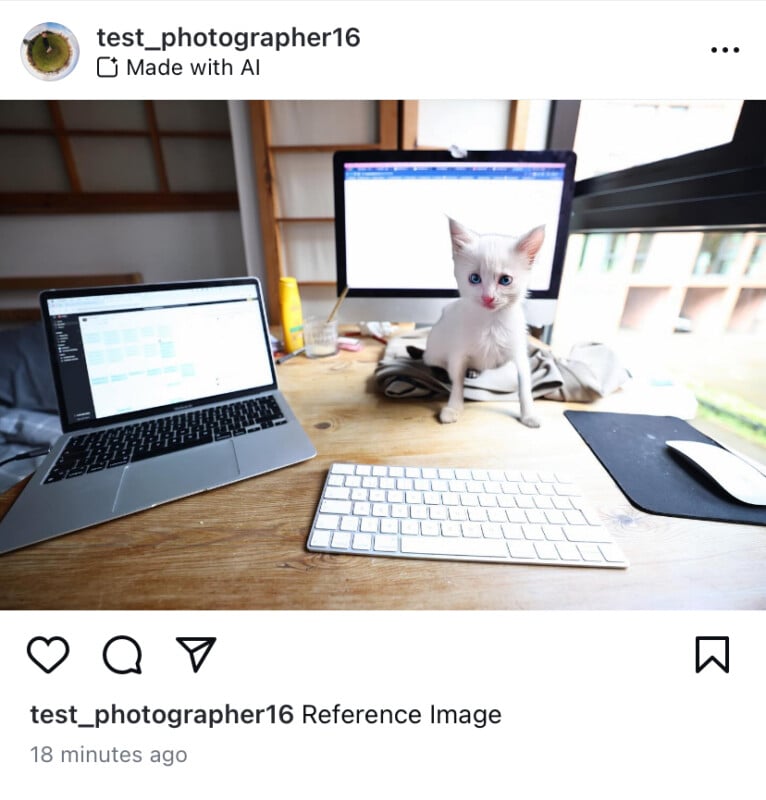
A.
pixel 79 201
pixel 115 202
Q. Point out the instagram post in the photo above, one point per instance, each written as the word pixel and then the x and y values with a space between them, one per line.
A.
pixel 382 398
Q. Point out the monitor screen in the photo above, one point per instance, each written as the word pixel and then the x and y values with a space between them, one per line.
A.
pixel 392 211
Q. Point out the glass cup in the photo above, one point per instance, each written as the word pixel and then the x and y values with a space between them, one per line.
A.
pixel 320 337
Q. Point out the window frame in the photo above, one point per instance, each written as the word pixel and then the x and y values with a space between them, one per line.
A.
pixel 721 186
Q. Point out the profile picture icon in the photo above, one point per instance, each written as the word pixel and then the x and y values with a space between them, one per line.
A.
pixel 50 51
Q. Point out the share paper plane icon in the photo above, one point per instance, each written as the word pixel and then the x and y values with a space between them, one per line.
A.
pixel 197 647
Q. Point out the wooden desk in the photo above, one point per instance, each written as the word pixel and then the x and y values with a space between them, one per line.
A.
pixel 243 546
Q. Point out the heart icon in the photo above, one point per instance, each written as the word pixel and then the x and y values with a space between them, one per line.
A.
pixel 48 653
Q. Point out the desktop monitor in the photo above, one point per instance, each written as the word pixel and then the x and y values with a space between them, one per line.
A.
pixel 393 246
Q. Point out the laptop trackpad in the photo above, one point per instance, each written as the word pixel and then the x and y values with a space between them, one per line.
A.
pixel 157 480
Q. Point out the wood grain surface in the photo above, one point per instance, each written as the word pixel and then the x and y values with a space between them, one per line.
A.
pixel 243 546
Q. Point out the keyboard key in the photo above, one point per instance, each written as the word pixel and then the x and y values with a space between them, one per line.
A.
pixel 368 525
pixel 568 551
pixel 612 553
pixel 385 543
pixel 335 507
pixel 547 551
pixel 362 541
pixel 554 533
pixel 585 533
pixel 343 469
pixel 466 548
pixel 512 531
pixel 388 525
pixel 491 530
pixel 534 532
pixel 590 552
pixel 522 550
pixel 341 540
pixel 337 493
pixel 321 539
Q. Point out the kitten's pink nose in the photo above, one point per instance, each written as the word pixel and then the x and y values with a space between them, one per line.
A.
pixel 487 301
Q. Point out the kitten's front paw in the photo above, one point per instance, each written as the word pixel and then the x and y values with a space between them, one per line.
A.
pixel 448 414
pixel 531 421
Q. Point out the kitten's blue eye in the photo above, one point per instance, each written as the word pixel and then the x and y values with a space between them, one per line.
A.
pixel 474 277
pixel 505 280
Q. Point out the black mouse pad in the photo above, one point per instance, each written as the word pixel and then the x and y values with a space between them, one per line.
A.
pixel 632 449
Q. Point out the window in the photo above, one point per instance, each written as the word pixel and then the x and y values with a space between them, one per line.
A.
pixel 642 252
pixel 602 252
pixel 718 186
pixel 683 298
pixel 718 253
pixel 616 134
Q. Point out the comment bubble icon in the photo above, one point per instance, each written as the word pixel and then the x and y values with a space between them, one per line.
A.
pixel 122 655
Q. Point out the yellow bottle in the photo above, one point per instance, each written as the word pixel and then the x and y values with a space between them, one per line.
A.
pixel 292 314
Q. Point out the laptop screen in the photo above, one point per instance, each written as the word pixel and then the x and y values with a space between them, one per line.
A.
pixel 138 350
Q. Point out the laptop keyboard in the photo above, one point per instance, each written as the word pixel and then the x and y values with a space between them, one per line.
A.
pixel 505 516
pixel 115 447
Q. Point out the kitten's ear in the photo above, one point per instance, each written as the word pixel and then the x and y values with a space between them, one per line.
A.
pixel 462 237
pixel 530 244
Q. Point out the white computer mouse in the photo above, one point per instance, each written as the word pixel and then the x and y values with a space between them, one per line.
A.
pixel 732 474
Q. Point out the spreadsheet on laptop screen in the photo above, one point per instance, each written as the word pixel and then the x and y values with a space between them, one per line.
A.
pixel 128 352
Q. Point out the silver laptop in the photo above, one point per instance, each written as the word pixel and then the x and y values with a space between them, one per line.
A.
pixel 164 391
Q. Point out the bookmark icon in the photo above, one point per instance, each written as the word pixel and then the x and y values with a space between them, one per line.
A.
pixel 712 650
pixel 197 647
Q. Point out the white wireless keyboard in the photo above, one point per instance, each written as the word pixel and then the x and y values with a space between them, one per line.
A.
pixel 508 516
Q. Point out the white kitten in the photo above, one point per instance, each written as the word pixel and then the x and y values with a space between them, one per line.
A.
pixel 485 328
